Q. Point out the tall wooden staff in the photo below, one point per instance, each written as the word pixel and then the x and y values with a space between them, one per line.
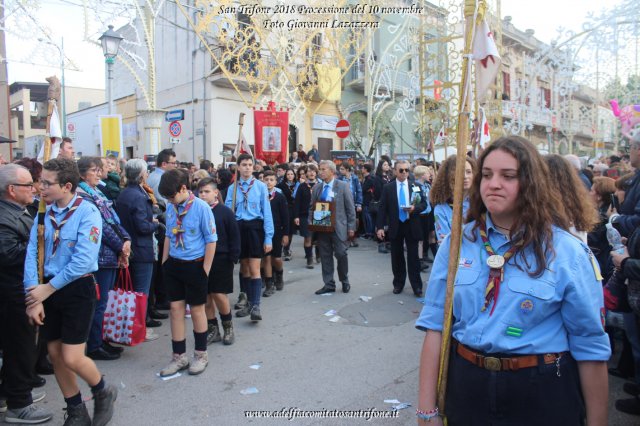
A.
pixel 470 11
pixel 53 94
pixel 238 149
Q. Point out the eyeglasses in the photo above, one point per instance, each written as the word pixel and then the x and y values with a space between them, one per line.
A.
pixel 403 170
pixel 95 170
pixel 30 185
pixel 171 162
pixel 46 184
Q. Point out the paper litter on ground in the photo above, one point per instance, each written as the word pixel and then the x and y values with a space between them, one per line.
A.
pixel 335 319
pixel 249 391
pixel 391 401
pixel 401 406
pixel 365 298
pixel 169 377
pixel 255 366
pixel 330 313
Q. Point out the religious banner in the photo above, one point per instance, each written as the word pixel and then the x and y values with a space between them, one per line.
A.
pixel 338 157
pixel 111 135
pixel 271 129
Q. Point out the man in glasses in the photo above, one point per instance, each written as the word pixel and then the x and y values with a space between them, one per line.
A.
pixel 18 336
pixel 165 161
pixel 63 300
pixel 400 206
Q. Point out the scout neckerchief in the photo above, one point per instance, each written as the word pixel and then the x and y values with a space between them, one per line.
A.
pixel 58 227
pixel 177 230
pixel 272 195
pixel 496 263
pixel 245 194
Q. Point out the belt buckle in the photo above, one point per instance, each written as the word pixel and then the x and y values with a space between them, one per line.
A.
pixel 492 363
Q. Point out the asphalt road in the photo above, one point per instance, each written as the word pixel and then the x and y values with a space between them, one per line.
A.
pixel 306 362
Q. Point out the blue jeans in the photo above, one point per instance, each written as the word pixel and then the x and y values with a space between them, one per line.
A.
pixel 141 273
pixel 106 278
pixel 369 228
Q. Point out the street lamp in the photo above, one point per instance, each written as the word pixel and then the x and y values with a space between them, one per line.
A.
pixel 110 41
pixel 63 97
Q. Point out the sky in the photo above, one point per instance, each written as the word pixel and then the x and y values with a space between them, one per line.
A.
pixel 31 60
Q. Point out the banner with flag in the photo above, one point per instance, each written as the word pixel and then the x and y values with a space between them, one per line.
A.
pixel 111 135
pixel 271 129
pixel 487 58
pixel 55 133
pixel 442 135
pixel 484 135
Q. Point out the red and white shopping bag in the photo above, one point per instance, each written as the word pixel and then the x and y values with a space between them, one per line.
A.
pixel 124 319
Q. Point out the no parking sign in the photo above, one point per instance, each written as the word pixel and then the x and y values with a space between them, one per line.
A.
pixel 175 129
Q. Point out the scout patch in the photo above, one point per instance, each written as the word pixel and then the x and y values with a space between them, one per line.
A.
pixel 526 306
pixel 514 331
pixel 94 234
pixel 465 263
pixel 603 316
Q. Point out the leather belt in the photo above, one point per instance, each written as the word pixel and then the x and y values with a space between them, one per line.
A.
pixel 200 259
pixel 506 364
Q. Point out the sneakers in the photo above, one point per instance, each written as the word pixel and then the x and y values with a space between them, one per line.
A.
pixel 242 301
pixel 279 280
pixel 199 363
pixel 3 405
pixel 213 334
pixel 287 254
pixel 37 396
pixel 245 311
pixel 309 262
pixel 255 313
pixel 31 414
pixel 103 402
pixel 178 363
pixel 382 249
pixel 270 290
pixel 229 337
pixel 150 336
pixel 77 416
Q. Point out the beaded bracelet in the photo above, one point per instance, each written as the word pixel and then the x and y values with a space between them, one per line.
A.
pixel 427 415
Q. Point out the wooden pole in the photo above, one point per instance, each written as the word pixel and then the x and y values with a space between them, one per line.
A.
pixel 238 147
pixel 42 206
pixel 458 193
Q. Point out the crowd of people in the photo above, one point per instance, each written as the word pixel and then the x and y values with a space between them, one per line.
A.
pixel 179 230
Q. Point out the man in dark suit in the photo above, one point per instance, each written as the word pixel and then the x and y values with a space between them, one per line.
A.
pixel 400 206
pixel 334 243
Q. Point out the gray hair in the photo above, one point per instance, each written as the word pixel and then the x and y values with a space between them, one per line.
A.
pixel 600 167
pixel 330 164
pixel 8 176
pixel 134 169
pixel 574 161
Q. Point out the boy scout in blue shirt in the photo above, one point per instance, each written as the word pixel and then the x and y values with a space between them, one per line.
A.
pixel 189 247
pixel 63 303
pixel 253 213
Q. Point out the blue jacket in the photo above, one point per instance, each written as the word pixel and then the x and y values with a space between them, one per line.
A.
pixel 134 207
pixel 356 188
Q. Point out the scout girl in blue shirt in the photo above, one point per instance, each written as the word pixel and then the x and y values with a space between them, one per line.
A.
pixel 529 345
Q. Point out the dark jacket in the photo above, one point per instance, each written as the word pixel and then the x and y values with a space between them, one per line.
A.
pixel 598 243
pixel 379 183
pixel 629 218
pixel 368 188
pixel 15 227
pixel 113 237
pixel 135 209
pixel 630 269
pixel 228 245
pixel 287 191
pixel 388 211
pixel 280 213
pixel 111 188
pixel 302 202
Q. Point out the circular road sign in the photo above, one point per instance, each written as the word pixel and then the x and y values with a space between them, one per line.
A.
pixel 342 128
pixel 175 129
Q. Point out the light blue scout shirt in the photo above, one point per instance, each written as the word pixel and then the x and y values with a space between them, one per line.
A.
pixel 256 207
pixel 562 310
pixel 199 226
pixel 443 214
pixel 77 252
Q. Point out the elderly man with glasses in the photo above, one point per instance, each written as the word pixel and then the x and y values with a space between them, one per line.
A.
pixel 400 206
pixel 17 335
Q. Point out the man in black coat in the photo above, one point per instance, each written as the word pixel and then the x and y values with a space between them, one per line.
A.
pixel 17 334
pixel 400 206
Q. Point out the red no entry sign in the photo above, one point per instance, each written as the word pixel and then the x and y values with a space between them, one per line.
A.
pixel 342 128
pixel 175 129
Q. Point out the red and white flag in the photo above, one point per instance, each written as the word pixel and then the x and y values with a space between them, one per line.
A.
pixel 442 134
pixel 485 53
pixel 485 134
pixel 242 147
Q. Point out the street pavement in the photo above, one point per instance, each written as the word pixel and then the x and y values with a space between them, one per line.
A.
pixel 306 362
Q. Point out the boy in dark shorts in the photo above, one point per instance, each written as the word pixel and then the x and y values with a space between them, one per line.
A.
pixel 253 213
pixel 272 261
pixel 227 255
pixel 63 303
pixel 189 248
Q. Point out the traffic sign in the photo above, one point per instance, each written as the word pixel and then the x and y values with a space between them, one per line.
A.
pixel 71 130
pixel 175 115
pixel 342 128
pixel 175 129
pixel 174 140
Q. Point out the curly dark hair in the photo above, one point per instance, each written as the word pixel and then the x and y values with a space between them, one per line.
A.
pixel 442 190
pixel 577 202
pixel 538 208
pixel 66 171
pixel 32 165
